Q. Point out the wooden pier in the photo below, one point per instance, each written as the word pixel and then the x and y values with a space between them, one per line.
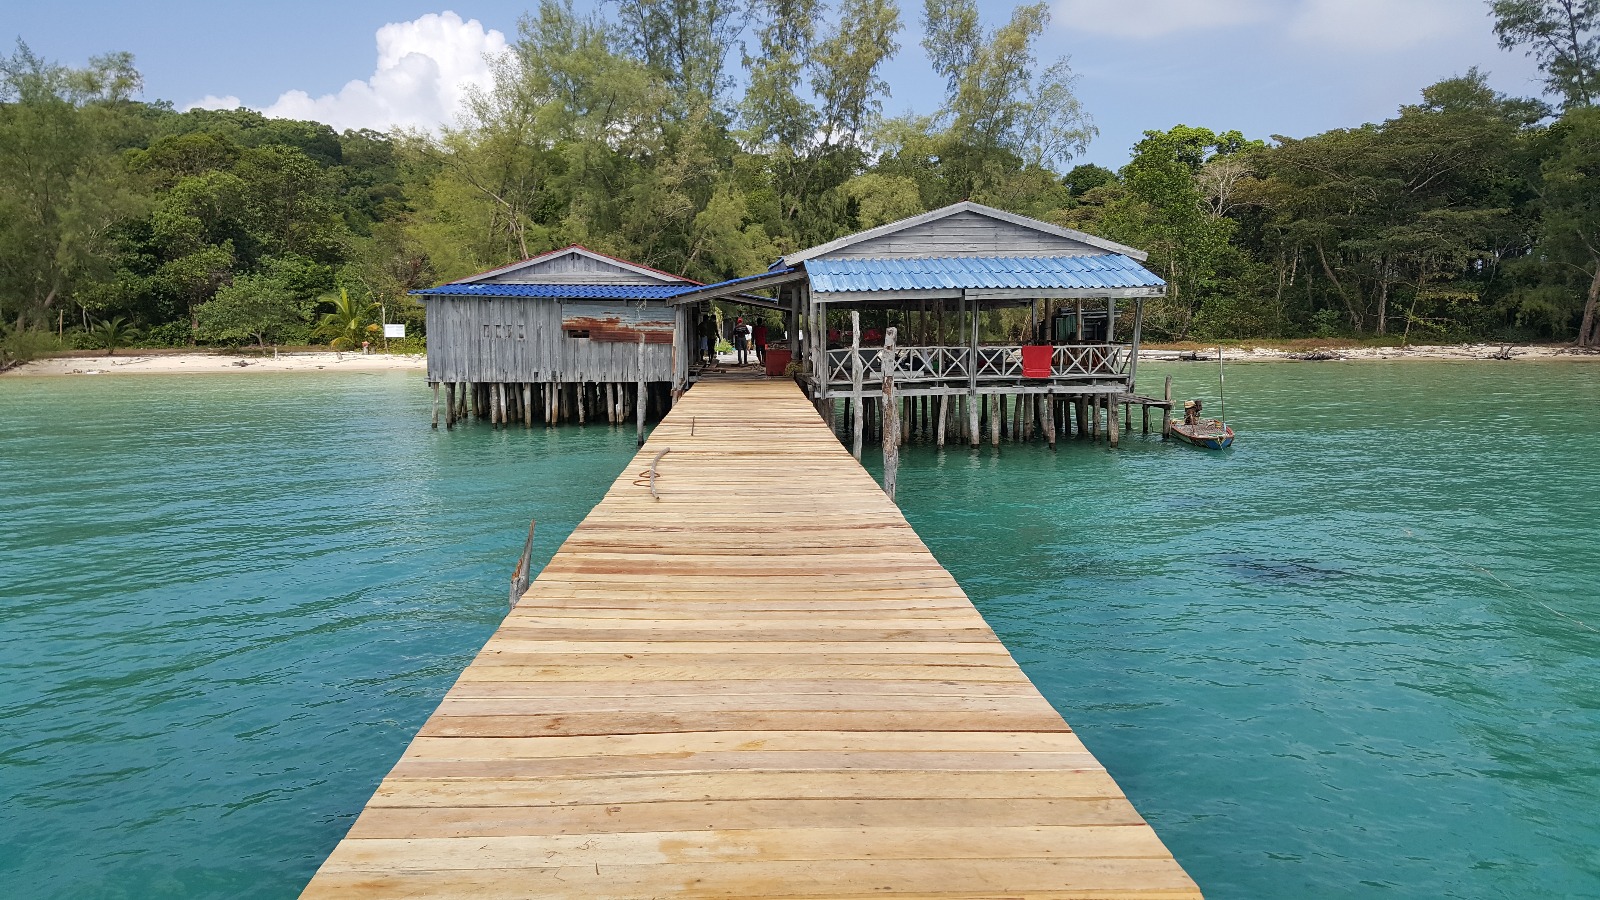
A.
pixel 758 683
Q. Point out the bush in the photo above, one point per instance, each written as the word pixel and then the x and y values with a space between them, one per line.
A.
pixel 18 347
pixel 168 334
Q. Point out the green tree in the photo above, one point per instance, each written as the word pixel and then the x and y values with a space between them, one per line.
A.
pixel 1563 35
pixel 258 307
pixel 111 333
pixel 349 323
pixel 63 188
pixel 1572 209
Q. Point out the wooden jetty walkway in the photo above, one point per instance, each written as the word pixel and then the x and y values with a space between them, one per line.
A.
pixel 761 684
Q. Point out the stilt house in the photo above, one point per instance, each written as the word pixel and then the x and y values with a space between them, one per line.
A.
pixel 936 278
pixel 568 335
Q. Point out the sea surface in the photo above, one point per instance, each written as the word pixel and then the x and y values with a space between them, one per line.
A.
pixel 1355 656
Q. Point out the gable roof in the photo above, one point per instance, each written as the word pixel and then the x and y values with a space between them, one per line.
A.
pixel 966 206
pixel 578 250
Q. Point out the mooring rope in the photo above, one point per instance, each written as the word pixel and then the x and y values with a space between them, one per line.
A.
pixel 1500 581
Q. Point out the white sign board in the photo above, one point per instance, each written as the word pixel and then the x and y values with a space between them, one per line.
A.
pixel 394 331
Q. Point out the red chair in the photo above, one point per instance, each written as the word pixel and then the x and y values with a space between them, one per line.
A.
pixel 1036 361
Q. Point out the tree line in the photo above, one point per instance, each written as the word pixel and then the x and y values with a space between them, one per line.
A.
pixel 1468 214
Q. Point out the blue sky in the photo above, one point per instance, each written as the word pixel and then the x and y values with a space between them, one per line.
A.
pixel 1291 67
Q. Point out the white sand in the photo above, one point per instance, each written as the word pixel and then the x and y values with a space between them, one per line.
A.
pixel 131 363
pixel 1440 351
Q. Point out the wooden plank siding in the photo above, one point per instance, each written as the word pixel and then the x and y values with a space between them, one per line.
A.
pixel 518 339
pixel 964 234
pixel 576 268
pixel 761 684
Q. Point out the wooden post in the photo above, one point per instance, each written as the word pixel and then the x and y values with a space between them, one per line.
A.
pixel 583 403
pixel 639 393
pixel 1144 417
pixel 908 413
pixel 435 386
pixel 944 411
pixel 1127 416
pixel 527 404
pixel 856 376
pixel 891 417
pixel 974 434
pixel 1166 414
pixel 1049 423
pixel 997 418
pixel 1111 421
pixel 1019 422
pixel 501 388
pixel 449 405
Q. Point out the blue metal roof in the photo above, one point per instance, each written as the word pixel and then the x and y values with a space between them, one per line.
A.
pixel 1110 270
pixel 562 291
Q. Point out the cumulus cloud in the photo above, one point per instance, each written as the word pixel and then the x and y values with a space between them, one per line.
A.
pixel 1156 18
pixel 1381 25
pixel 212 101
pixel 425 68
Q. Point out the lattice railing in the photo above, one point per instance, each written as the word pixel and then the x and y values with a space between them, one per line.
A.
pixel 949 365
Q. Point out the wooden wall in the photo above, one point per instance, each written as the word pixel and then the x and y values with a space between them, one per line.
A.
pixel 965 234
pixel 510 339
pixel 575 268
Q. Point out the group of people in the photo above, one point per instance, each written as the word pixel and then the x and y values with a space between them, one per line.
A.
pixel 742 335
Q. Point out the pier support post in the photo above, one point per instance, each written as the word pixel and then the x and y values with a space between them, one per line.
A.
pixel 1049 423
pixel 435 386
pixel 891 418
pixel 1166 414
pixel 856 376
pixel 944 410
pixel 974 436
pixel 642 403
pixel 1112 433
pixel 449 405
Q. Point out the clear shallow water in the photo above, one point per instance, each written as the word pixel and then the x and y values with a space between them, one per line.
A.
pixel 1293 656
pixel 226 604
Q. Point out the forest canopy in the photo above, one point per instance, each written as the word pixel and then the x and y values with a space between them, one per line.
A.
pixel 1467 215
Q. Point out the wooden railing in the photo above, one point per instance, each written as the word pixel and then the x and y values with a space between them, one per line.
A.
pixel 955 366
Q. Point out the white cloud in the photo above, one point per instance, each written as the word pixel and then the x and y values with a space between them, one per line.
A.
pixel 1379 26
pixel 212 101
pixel 424 70
pixel 1156 18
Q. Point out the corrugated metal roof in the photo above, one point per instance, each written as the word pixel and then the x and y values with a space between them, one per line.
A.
pixel 1111 270
pixel 562 291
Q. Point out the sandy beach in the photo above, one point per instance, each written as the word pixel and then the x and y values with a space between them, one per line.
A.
pixel 1497 352
pixel 133 363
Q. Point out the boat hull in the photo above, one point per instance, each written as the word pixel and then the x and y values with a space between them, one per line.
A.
pixel 1209 434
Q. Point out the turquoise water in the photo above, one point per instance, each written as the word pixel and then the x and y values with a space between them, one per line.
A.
pixel 1340 660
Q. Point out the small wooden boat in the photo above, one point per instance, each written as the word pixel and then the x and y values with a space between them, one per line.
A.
pixel 1212 434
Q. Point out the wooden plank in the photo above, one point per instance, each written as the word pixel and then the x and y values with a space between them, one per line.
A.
pixel 747 698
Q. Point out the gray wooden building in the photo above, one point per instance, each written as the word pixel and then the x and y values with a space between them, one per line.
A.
pixel 569 335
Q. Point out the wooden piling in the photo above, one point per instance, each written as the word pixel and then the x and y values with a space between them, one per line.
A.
pixel 1112 433
pixel 1049 423
pixel 640 412
pixel 944 411
pixel 1166 414
pixel 435 386
pixel 891 417
pixel 856 376
pixel 974 436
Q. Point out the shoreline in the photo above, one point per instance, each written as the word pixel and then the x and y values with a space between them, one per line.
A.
pixel 329 361
pixel 217 364
pixel 1455 352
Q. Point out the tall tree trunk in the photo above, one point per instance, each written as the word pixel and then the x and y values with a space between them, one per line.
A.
pixel 1383 301
pixel 1355 317
pixel 1589 331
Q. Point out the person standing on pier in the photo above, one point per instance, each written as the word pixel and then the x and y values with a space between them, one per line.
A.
pixel 708 339
pixel 759 335
pixel 741 341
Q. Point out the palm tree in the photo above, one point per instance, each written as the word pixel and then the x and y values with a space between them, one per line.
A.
pixel 111 333
pixel 349 323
